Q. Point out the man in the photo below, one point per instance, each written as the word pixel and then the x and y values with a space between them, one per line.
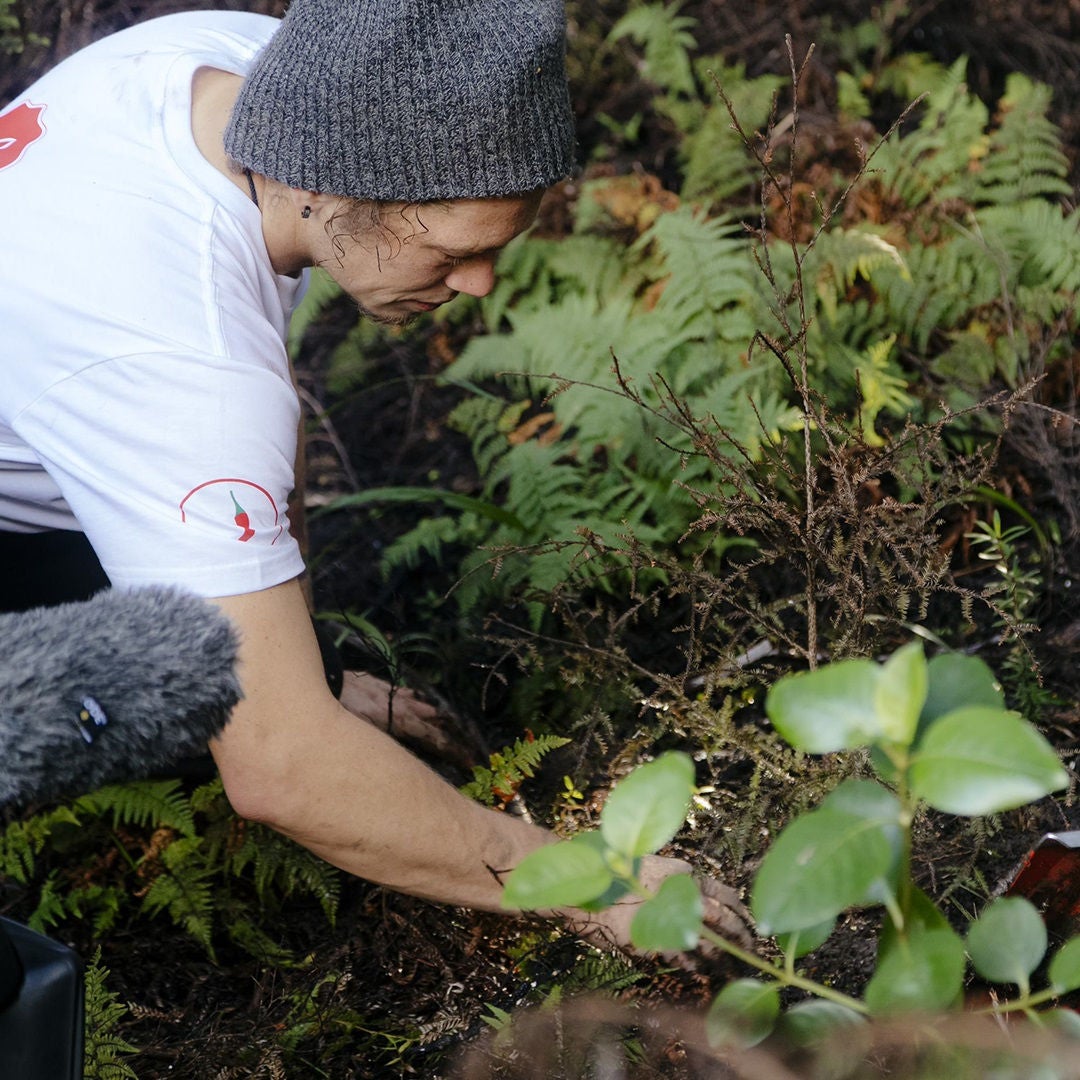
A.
pixel 162 193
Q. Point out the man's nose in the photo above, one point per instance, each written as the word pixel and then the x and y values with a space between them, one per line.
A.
pixel 474 276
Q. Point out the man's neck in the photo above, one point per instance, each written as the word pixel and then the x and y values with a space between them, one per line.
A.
pixel 213 94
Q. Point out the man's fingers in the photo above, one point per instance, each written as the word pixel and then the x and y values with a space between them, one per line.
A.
pixel 402 715
pixel 725 913
pixel 375 700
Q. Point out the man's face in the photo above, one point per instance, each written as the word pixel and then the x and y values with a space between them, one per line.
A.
pixel 423 255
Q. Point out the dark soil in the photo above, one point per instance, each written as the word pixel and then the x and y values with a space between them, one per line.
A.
pixel 397 986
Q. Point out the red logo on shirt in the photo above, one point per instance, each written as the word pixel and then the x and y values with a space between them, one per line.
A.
pixel 18 129
pixel 251 506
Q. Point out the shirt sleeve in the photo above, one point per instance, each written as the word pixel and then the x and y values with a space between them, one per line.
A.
pixel 177 466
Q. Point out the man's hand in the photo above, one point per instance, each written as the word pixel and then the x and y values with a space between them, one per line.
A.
pixel 725 913
pixel 401 713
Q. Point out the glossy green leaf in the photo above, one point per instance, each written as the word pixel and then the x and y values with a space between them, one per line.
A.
pixel 865 799
pixel 565 874
pixel 670 921
pixel 743 1013
pixel 647 808
pixel 923 914
pixel 810 1023
pixel 828 709
pixel 980 761
pixel 922 972
pixel 900 693
pixel 611 895
pixel 619 887
pixel 1007 941
pixel 1065 967
pixel 957 682
pixel 1062 1021
pixel 883 765
pixel 800 942
pixel 819 865
pixel 868 801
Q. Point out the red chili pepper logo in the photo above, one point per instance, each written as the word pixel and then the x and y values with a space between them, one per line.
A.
pixel 260 517
pixel 19 128
pixel 241 518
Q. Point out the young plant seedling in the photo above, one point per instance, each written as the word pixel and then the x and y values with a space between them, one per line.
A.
pixel 939 736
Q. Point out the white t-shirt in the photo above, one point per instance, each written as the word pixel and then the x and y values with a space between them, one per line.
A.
pixel 145 391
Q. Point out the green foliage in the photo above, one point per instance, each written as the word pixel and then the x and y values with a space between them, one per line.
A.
pixel 497 782
pixel 660 408
pixel 643 812
pixel 744 1013
pixel 105 1050
pixel 667 41
pixel 12 37
pixel 182 855
pixel 727 423
pixel 941 738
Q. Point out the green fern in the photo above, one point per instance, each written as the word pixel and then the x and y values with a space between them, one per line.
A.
pixel 185 890
pixel 497 782
pixel 105 1050
pixel 186 855
pixel 708 270
pixel 280 866
pixel 142 803
pixel 843 259
pixel 52 906
pixel 667 41
pixel 943 289
pixel 1025 159
pixel 21 841
pixel 717 167
pixel 935 161
pixel 1042 246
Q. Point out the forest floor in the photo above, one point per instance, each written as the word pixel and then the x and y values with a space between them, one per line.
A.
pixel 397 986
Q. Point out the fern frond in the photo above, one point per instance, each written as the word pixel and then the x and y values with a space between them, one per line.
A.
pixel 945 285
pixel 22 840
pixel 936 160
pixel 105 1049
pixel 428 537
pixel 708 268
pixel 52 906
pixel 1026 159
pixel 590 265
pixel 185 890
pixel 667 41
pixel 99 904
pixel 843 257
pixel 282 866
pixel 161 803
pixel 1042 241
pixel 507 769
pixel 521 276
pixel 716 165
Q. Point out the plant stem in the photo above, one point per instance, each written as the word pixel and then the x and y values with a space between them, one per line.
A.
pixel 1021 1004
pixel 907 815
pixel 788 978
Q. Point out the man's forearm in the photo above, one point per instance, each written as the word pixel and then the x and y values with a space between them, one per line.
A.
pixel 295 758
pixel 358 799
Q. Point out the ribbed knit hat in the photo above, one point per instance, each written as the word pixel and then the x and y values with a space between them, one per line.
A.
pixel 409 100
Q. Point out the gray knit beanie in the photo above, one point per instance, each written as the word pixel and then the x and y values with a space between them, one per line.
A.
pixel 409 100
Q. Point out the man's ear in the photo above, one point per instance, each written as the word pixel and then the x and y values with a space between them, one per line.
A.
pixel 312 204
